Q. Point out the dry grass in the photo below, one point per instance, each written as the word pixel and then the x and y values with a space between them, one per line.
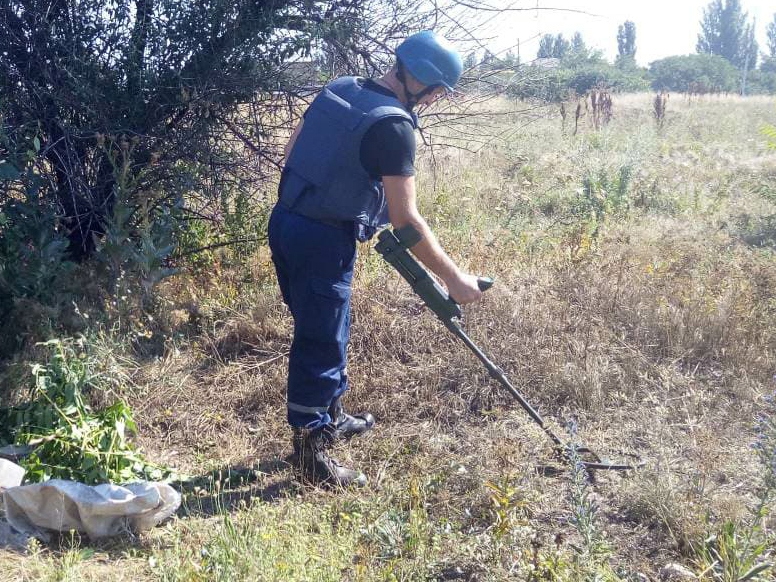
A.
pixel 649 319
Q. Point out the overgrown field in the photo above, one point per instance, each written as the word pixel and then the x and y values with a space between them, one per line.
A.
pixel 634 306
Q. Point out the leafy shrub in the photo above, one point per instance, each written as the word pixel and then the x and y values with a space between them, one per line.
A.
pixel 761 83
pixel 69 440
pixel 33 249
pixel 136 254
pixel 556 84
pixel 38 279
pixel 158 90
pixel 34 266
pixel 696 73
pixel 590 76
pixel 600 196
pixel 537 82
pixel 768 65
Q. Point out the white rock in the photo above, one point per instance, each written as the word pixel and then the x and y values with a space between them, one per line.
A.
pixel 676 572
pixel 11 474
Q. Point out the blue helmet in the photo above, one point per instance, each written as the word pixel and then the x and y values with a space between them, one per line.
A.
pixel 430 59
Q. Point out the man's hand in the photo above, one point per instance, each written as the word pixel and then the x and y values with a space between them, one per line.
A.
pixel 464 289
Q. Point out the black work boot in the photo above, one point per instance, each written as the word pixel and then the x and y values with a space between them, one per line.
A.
pixel 346 425
pixel 315 462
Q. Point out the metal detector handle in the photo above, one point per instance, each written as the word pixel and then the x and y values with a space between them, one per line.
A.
pixel 484 283
pixel 394 247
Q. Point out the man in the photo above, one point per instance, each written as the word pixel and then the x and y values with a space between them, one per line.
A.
pixel 349 171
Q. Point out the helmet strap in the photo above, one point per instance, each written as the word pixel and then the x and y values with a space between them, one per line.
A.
pixel 412 98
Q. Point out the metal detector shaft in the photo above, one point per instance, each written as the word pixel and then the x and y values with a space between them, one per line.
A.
pixel 393 246
pixel 498 374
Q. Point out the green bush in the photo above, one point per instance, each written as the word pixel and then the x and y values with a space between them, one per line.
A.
pixel 768 65
pixel 38 280
pixel 35 272
pixel 33 250
pixel 696 73
pixel 590 76
pixel 69 440
pixel 761 82
pixel 557 84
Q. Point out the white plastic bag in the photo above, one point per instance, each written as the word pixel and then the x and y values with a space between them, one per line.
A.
pixel 99 511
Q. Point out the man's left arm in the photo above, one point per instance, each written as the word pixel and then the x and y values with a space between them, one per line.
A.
pixel 292 140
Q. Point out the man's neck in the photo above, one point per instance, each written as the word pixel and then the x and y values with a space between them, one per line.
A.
pixel 389 81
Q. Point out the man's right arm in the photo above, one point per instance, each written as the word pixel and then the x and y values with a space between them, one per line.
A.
pixel 402 209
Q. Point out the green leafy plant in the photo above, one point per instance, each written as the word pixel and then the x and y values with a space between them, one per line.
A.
pixel 33 246
pixel 592 555
pixel 731 555
pixel 600 197
pixel 584 512
pixel 601 194
pixel 139 231
pixel 508 504
pixel 769 131
pixel 742 550
pixel 140 251
pixel 69 439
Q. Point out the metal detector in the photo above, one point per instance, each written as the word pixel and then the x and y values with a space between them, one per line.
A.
pixel 394 247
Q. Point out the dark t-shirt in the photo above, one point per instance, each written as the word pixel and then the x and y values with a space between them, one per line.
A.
pixel 388 148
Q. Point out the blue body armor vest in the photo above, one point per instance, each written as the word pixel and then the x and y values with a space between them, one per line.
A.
pixel 323 178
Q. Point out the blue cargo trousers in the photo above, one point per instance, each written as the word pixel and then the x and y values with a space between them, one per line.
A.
pixel 314 265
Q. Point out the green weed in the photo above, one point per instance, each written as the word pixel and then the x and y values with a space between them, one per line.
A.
pixel 743 550
pixel 769 131
pixel 289 542
pixel 509 506
pixel 593 553
pixel 68 439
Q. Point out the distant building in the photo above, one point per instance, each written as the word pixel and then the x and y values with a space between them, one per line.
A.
pixel 302 75
pixel 546 63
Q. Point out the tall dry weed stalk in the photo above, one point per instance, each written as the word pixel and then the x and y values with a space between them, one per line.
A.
pixel 580 112
pixel 563 116
pixel 602 107
pixel 659 106
pixel 597 103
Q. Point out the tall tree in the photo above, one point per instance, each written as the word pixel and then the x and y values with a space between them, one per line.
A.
pixel 546 44
pixel 626 40
pixel 560 47
pixel 555 47
pixel 116 92
pixel 770 31
pixel 167 106
pixel 749 48
pixel 510 60
pixel 769 61
pixel 725 31
pixel 578 46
